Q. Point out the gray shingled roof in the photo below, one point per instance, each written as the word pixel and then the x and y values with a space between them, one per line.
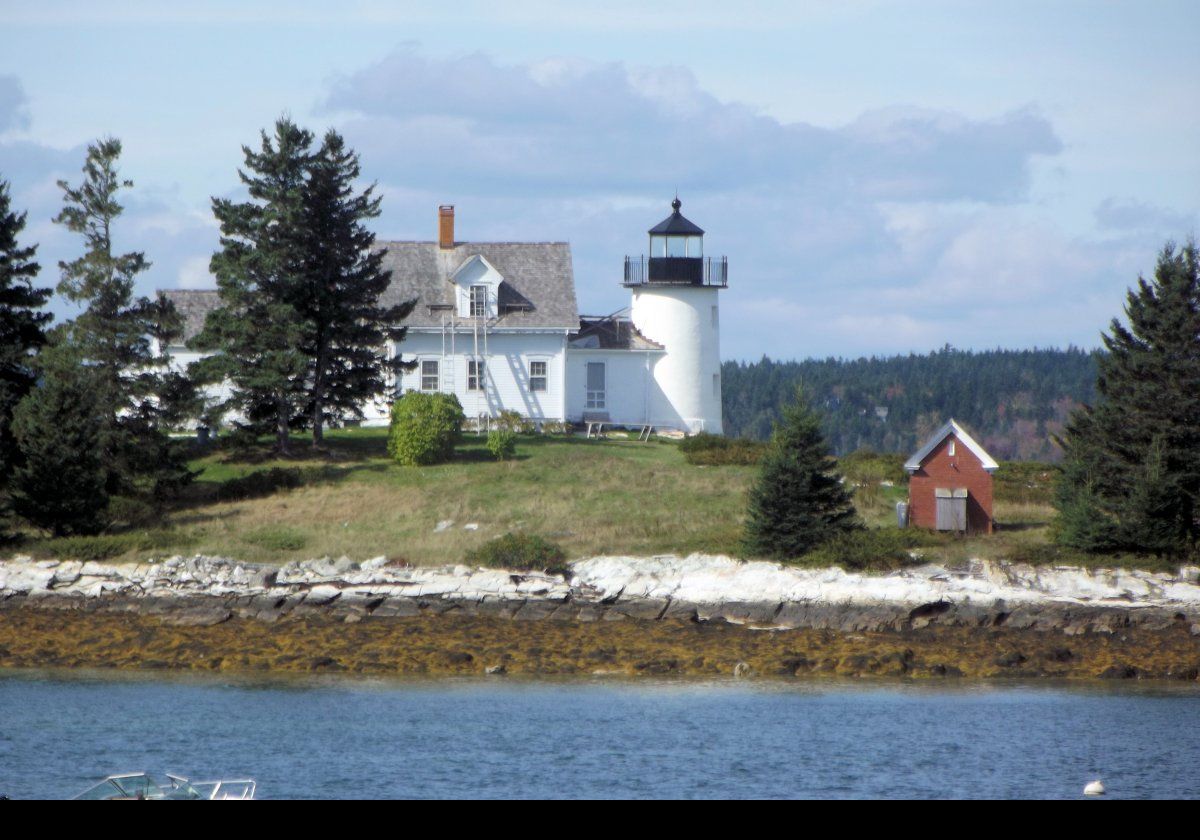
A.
pixel 194 305
pixel 539 283
pixel 538 288
pixel 611 333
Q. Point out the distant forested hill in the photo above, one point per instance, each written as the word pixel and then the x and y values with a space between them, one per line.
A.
pixel 1013 401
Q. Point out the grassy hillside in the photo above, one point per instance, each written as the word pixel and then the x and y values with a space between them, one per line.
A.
pixel 612 496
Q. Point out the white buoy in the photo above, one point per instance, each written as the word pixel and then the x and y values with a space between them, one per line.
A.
pixel 1095 788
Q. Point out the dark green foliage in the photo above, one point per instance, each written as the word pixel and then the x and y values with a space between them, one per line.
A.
pixel 716 450
pixel 339 295
pixel 1017 400
pixel 870 549
pixel 115 336
pixel 502 444
pixel 256 337
pixel 300 333
pixel 425 427
pixel 521 552
pixel 61 483
pixel 22 328
pixel 1131 472
pixel 798 501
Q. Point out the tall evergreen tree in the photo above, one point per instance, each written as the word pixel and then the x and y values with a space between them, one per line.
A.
pixel 1131 472
pixel 116 333
pixel 22 327
pixel 339 299
pixel 257 336
pixel 798 501
pixel 61 481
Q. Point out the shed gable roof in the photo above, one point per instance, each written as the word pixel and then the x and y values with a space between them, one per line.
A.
pixel 951 428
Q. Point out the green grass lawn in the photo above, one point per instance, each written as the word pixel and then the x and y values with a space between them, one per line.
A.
pixel 615 496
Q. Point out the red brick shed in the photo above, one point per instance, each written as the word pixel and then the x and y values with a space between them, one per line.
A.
pixel 950 488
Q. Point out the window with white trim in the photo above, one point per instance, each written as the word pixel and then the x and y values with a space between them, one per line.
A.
pixel 595 385
pixel 476 375
pixel 538 375
pixel 479 301
pixel 951 451
pixel 430 375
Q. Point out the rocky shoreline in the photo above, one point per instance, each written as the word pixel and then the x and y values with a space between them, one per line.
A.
pixel 699 614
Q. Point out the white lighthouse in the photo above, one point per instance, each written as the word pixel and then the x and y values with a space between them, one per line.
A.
pixel 675 303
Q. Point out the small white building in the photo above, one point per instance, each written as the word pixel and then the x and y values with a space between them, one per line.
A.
pixel 497 324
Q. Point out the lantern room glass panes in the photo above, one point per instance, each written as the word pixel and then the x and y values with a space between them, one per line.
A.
pixel 676 246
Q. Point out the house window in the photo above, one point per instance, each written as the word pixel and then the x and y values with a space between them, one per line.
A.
pixel 479 301
pixel 716 319
pixel 951 447
pixel 716 386
pixel 595 385
pixel 537 376
pixel 476 374
pixel 430 380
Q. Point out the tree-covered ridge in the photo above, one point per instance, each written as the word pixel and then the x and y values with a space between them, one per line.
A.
pixel 1014 401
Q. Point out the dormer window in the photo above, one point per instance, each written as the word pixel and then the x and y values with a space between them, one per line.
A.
pixel 479 301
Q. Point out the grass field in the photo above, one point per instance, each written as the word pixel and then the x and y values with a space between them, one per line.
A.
pixel 592 497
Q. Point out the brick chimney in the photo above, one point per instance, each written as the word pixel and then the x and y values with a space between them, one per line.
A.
pixel 446 226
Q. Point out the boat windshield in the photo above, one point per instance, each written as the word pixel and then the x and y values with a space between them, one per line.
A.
pixel 128 786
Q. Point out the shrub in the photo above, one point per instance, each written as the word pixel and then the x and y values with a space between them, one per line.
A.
pixel 511 421
pixel 502 443
pixel 425 428
pixel 718 451
pixel 277 538
pixel 522 552
pixel 556 427
pixel 875 549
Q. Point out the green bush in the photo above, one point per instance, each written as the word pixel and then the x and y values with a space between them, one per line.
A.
pixel 425 428
pixel 521 552
pixel 874 549
pixel 716 450
pixel 277 538
pixel 556 427
pixel 502 443
pixel 511 421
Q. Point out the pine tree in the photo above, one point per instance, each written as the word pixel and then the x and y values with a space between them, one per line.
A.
pixel 256 337
pixel 116 333
pixel 22 327
pixel 61 481
pixel 339 299
pixel 798 501
pixel 1131 471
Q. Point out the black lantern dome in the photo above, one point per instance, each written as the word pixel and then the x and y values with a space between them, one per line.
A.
pixel 676 256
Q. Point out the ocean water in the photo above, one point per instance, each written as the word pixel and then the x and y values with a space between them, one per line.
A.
pixel 503 738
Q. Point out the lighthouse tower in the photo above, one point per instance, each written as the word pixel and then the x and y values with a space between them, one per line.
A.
pixel 675 291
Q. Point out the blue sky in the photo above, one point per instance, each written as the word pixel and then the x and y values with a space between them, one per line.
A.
pixel 885 177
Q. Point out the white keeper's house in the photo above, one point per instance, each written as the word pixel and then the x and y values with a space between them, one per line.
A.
pixel 497 324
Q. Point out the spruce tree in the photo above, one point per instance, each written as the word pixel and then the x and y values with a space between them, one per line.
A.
pixel 256 337
pixel 1131 471
pixel 116 333
pixel 799 500
pixel 61 481
pixel 22 328
pixel 339 299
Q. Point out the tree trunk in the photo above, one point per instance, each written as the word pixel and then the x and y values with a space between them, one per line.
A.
pixel 318 411
pixel 281 425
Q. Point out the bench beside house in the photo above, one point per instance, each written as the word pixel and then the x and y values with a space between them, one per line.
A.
pixel 950 484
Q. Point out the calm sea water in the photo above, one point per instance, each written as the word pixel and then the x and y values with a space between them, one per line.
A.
pixel 366 739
